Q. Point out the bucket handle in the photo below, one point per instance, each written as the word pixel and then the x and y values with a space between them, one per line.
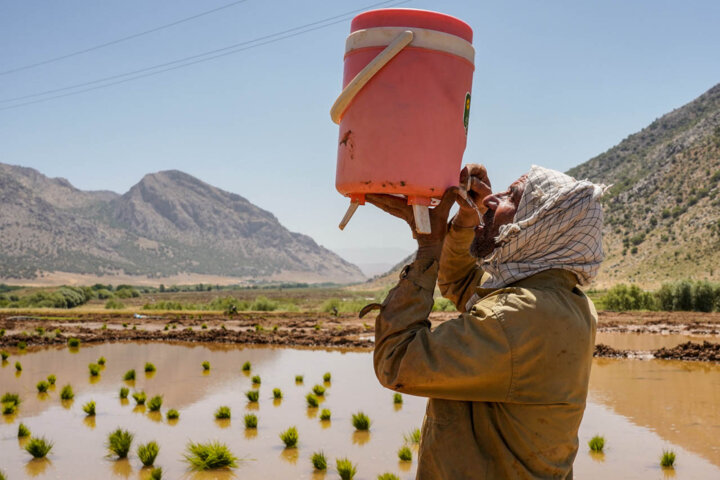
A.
pixel 364 76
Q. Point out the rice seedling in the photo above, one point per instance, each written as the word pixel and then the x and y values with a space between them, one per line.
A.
pixel 4 354
pixel 73 342
pixel 327 377
pixel 597 443
pixel 275 328
pixel 222 413
pixel 325 414
pixel 413 436
pixel 397 399
pixel 250 421
pixel 388 476
pixel 124 392
pixel 129 375
pixel 51 379
pixel 8 408
pixel 155 403
pixel 277 393
pixel 206 365
pixel 125 325
pixel 319 461
pixel 312 400
pixel 119 442
pixel 2 332
pixel 13 398
pixel 38 447
pixel 167 327
pixel 252 395
pixel 319 390
pixel 667 459
pixel 89 408
pixel 405 454
pixel 39 330
pixel 18 366
pixel 149 367
pixel 256 380
pixel 361 421
pixel 172 414
pixel 156 473
pixel 139 397
pixel 210 456
pixel 101 361
pixel 42 386
pixel 23 431
pixel 21 345
pixel 2 474
pixel 204 326
pixel 94 369
pixel 345 468
pixel 246 366
pixel 67 393
pixel 134 327
pixel 299 379
pixel 147 453
pixel 104 326
pixel 290 437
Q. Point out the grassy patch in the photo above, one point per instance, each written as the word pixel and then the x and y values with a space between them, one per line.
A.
pixel 129 375
pixel 94 369
pixel 149 367
pixel 277 393
pixel 23 431
pixel 252 395
pixel 139 398
pixel 319 461
pixel 173 414
pixel 206 365
pixel 73 342
pixel 312 400
pixel 319 390
pixel 209 456
pixel 89 408
pixel 246 366
pixel 124 392
pixel 361 421
pixel 290 437
pixel 51 379
pixel 222 413
pixel 119 442
pixel 251 421
pixel 67 393
pixel 325 414
pixel 667 459
pixel 42 386
pixel 345 468
pixel 597 443
pixel 405 454
pixel 147 453
pixel 38 447
pixel 397 399
pixel 155 403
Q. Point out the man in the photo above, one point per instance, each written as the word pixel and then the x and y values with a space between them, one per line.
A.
pixel 506 380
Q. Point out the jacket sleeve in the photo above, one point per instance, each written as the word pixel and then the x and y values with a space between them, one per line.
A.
pixel 467 358
pixel 459 273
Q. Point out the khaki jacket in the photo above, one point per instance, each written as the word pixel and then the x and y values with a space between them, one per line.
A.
pixel 506 380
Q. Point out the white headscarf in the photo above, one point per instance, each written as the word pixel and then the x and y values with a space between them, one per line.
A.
pixel 558 224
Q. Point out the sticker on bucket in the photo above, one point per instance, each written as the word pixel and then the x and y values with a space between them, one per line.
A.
pixel 466 115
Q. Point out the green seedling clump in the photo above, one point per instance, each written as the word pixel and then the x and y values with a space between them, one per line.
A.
pixel 119 442
pixel 361 421
pixel 2 475
pixel 51 379
pixel 23 431
pixel 222 413
pixel 397 398
pixel 405 454
pixel 299 379
pixel 319 461
pixel 327 377
pixel 277 393
pixel 597 443
pixel 210 456
pixel 290 437
pixel 8 408
pixel 312 400
pixel 345 468
pixel 42 386
pixel 18 366
pixel 140 398
pixel 256 380
pixel 147 453
pixel 319 390
pixel 246 366
pixel 101 361
pixel 129 375
pixel 325 414
pixel 4 354
pixel 94 369
pixel 251 421
pixel 204 326
pixel 38 447
pixel 668 459
pixel 252 395
pixel 73 342
pixel 67 393
pixel 173 414
pixel 149 367
pixel 124 392
pixel 206 365
pixel 21 345
pixel 413 436
pixel 155 403
pixel 13 398
pixel 388 476
pixel 89 408
pixel 156 473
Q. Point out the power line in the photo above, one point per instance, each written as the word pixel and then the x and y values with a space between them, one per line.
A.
pixel 119 40
pixel 194 59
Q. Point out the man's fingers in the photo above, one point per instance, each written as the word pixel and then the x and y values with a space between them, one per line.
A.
pixel 480 187
pixel 393 205
pixel 448 199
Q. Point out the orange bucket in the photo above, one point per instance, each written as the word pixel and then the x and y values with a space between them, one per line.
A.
pixel 403 112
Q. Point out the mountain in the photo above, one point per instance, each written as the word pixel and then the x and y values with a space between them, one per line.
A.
pixel 169 226
pixel 662 213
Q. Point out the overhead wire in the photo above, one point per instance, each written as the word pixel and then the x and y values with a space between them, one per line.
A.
pixel 120 40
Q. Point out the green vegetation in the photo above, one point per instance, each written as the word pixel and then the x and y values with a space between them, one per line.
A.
pixel 210 456
pixel 667 459
pixel 319 390
pixel 51 379
pixel 149 367
pixel 38 447
pixel 405 454
pixel 119 442
pixel 336 306
pixel 155 403
pixel 413 436
pixel 156 473
pixel 23 431
pixel 345 468
pixel 63 297
pixel 101 361
pixel 129 375
pixel 327 377
pixel 4 354
pixel 206 365
pixel 277 393
pixel 222 413
pixel 684 295
pixel 290 437
pixel 319 461
pixel 147 453
pixel 299 379
pixel 18 366
pixel 397 398
pixel 597 443
pixel 325 414
pixel 443 305
pixel 113 304
pixel 388 476
pixel 124 392
pixel 73 342
pixel 622 298
pixel 89 408
pixel 312 400
pixel 42 386
pixel 256 380
pixel 173 414
pixel 252 395
pixel 204 326
pixel 8 408
pixel 361 421
pixel 67 393
pixel 12 398
pixel 246 366
pixel 94 369
pixel 251 421
pixel 139 398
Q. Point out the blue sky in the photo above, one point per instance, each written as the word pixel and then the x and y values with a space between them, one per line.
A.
pixel 556 83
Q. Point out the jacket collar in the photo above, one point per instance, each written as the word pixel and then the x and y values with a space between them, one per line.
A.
pixel 552 279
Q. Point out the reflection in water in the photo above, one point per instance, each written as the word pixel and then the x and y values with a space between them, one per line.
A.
pixel 404 466
pixel 139 409
pixel 67 404
pixel 89 421
pixel 37 466
pixel 360 437
pixel 290 455
pixel 42 396
pixel 277 402
pixel 222 422
pixel 122 468
pixel 311 412
pixel 669 472
pixel 155 416
pixel 250 433
pixel 325 424
pixel 597 456
pixel 94 379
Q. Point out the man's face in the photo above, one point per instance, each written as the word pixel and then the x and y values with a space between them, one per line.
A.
pixel 501 209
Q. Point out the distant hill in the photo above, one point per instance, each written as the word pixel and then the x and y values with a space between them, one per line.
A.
pixel 170 225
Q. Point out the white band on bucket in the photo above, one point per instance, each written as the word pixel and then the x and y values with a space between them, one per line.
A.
pixel 422 38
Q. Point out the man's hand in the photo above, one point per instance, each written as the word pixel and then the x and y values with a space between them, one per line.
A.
pixel 474 177
pixel 430 245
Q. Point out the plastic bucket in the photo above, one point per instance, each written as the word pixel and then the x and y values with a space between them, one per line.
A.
pixel 404 130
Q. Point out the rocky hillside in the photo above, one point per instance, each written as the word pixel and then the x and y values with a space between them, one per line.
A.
pixel 662 214
pixel 169 224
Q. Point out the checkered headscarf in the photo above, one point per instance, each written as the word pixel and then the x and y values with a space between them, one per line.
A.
pixel 558 224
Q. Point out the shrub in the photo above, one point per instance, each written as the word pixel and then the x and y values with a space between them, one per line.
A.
pixel 312 400
pixel 361 421
pixel 155 403
pixel 222 413
pixel 124 392
pixel 156 473
pixel 73 342
pixel 94 369
pixel 67 393
pixel 252 395
pixel 206 365
pixel 319 461
pixel 597 443
pixel 413 436
pixel 277 393
pixel 129 375
pixel 319 390
pixel 119 442
pixel 139 397
pixel 38 447
pixel 290 437
pixel 256 380
pixel 622 298
pixel 149 367
pixel 51 379
pixel 173 414
pixel 345 468
pixel 147 453
pixel 209 456
pixel 246 366
pixel 263 304
pixel 89 408
pixel 325 414
pixel 23 431
pixel 667 459
pixel 113 304
pixel 397 398
pixel 327 377
pixel 405 454
pixel 42 386
pixel 250 421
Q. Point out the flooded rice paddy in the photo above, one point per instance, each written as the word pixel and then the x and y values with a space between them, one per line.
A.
pixel 640 406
